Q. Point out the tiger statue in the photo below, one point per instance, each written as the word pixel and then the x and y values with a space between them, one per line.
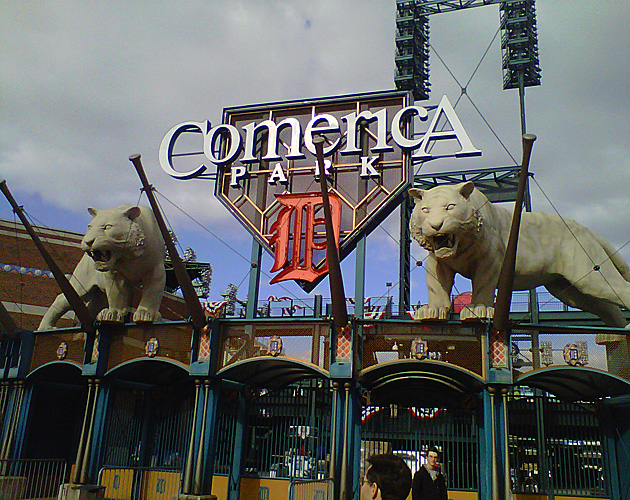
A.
pixel 465 233
pixel 124 250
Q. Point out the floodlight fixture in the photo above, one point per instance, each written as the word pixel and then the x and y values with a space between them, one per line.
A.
pixel 519 44
pixel 412 49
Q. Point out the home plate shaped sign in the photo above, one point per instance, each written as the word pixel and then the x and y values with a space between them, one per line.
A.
pixel 267 174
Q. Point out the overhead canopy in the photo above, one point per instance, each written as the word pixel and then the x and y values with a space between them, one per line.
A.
pixel 153 372
pixel 65 372
pixel 573 383
pixel 271 372
pixel 414 382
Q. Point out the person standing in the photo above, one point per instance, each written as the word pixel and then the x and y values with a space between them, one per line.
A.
pixel 387 478
pixel 428 481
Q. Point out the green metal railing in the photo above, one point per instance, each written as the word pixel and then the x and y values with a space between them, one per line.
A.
pixel 287 434
pixel 410 431
pixel 555 447
pixel 148 428
pixel 31 479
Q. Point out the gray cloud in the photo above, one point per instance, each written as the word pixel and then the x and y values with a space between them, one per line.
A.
pixel 86 84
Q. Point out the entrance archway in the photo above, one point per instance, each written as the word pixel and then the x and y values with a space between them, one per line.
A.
pixel 149 415
pixel 410 405
pixel 56 411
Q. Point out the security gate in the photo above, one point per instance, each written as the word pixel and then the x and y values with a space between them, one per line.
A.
pixel 410 431
pixel 555 447
pixel 287 432
pixel 148 428
pixel 145 441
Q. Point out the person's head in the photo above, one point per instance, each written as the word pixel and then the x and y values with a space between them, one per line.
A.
pixel 387 478
pixel 433 457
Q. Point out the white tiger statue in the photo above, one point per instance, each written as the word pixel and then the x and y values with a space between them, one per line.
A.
pixel 124 250
pixel 465 233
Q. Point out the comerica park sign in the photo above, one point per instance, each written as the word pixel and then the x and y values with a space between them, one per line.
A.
pixel 267 174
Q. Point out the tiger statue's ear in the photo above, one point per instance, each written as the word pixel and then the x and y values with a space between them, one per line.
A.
pixel 466 188
pixel 416 193
pixel 92 211
pixel 133 213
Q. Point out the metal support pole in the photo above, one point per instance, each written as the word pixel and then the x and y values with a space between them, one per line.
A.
pixel 78 466
pixel 251 308
pixel 187 480
pixel 495 468
pixel 85 466
pixel 506 446
pixel 333 433
pixel 533 298
pixel 200 450
pixel 344 456
pixel 404 259
pixel 521 100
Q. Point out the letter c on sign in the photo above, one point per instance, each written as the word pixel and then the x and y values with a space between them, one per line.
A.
pixel 168 143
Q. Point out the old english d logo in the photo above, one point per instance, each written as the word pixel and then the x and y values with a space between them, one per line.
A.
pixel 296 236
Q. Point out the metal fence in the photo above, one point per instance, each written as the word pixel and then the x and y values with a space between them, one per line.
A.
pixel 139 483
pixel 556 447
pixel 149 428
pixel 409 431
pixel 287 434
pixel 31 479
pixel 319 489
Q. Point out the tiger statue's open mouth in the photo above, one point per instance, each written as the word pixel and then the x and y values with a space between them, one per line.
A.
pixel 100 255
pixel 440 241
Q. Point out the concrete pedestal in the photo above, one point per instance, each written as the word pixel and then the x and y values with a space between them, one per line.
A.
pixel 81 492
pixel 184 496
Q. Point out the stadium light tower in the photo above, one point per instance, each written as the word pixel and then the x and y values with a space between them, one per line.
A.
pixel 519 43
pixel 412 49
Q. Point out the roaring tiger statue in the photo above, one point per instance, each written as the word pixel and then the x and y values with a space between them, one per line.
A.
pixel 465 233
pixel 124 250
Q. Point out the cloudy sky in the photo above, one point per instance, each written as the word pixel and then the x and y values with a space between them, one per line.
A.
pixel 86 84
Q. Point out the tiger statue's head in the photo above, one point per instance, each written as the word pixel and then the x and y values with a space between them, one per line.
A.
pixel 444 219
pixel 113 236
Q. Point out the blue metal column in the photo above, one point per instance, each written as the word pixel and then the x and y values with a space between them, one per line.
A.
pixel 205 459
pixel 187 478
pixel 22 423
pixel 100 419
pixel 11 419
pixel 197 479
pixel 610 459
pixel 254 281
pixel 336 445
pixel 5 394
pixel 234 481
pixel 615 418
pixel 485 445
pixel 543 462
pixel 354 464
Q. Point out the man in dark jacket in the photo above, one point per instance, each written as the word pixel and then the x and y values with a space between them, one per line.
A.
pixel 429 482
